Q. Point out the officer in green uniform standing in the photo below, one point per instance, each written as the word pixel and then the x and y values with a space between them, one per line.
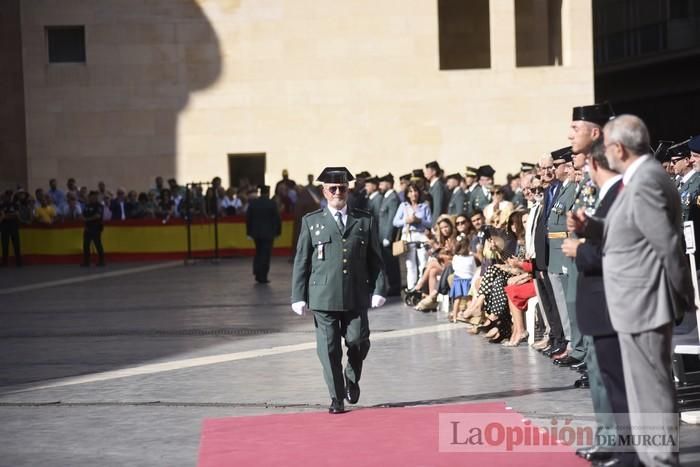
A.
pixel 437 190
pixel 374 198
pixel 459 201
pixel 338 274
pixel 688 178
pixel 387 232
pixel 480 196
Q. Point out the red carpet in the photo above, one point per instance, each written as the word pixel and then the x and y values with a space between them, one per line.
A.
pixel 386 437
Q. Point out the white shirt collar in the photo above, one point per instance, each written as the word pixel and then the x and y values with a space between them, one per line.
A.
pixel 627 176
pixel 388 192
pixel 687 176
pixel 564 183
pixel 374 195
pixel 457 189
pixel 606 186
pixel 343 211
pixel 435 180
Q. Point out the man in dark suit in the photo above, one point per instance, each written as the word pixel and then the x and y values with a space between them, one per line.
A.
pixel 605 362
pixel 263 224
pixel 459 200
pixel 390 204
pixel 338 274
pixel 557 341
pixel 118 206
pixel 438 192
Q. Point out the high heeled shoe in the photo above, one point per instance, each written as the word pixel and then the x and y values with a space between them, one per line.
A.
pixel 522 339
pixel 497 339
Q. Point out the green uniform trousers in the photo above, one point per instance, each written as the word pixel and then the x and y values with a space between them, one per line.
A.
pixel 330 327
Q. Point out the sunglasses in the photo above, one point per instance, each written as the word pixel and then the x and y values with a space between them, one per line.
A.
pixel 461 223
pixel 337 189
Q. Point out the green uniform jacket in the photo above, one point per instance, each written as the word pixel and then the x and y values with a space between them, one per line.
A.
pixel 334 272
pixel 459 203
pixel 689 192
pixel 477 199
pixel 390 204
pixel 374 205
pixel 556 222
pixel 438 193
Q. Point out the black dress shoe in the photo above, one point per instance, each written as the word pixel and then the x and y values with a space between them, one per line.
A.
pixel 597 454
pixel 612 462
pixel 579 366
pixel 352 391
pixel 337 406
pixel 553 350
pixel 566 361
pixel 582 382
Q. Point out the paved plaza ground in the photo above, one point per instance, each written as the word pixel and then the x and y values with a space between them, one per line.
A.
pixel 121 365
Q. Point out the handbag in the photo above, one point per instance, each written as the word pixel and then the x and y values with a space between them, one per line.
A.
pixel 399 247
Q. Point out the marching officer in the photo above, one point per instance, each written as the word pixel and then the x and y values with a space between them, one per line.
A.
pixel 263 224
pixel 92 234
pixel 338 274
pixel 9 227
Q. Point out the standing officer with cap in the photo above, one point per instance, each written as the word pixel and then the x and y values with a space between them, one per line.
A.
pixel 93 214
pixel 387 212
pixel 459 200
pixel 374 198
pixel 688 178
pixel 480 196
pixel 338 274
pixel 263 224
pixel 437 190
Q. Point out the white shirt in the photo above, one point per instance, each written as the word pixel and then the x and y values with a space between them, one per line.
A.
pixel 388 192
pixel 687 176
pixel 457 189
pixel 606 187
pixel 343 212
pixel 464 266
pixel 435 180
pixel 627 176
pixel 373 195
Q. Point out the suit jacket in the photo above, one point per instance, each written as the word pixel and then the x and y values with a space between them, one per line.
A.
pixel 263 219
pixel 459 203
pixel 374 205
pixel 647 278
pixel 390 204
pixel 334 271
pixel 439 195
pixel 541 240
pixel 115 208
pixel 592 310
pixel 556 222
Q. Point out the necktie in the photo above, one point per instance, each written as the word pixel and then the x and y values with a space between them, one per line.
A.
pixel 339 221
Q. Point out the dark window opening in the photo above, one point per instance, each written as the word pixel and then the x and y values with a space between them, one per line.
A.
pixel 538 33
pixel 464 34
pixel 66 44
pixel 246 169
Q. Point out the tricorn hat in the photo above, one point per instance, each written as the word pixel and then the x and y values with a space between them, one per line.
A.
pixel 562 155
pixel 388 178
pixel 599 114
pixel 335 175
pixel 433 165
pixel 485 171
pixel 455 176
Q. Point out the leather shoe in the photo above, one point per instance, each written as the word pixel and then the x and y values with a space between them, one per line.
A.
pixel 337 406
pixel 581 366
pixel 582 382
pixel 596 454
pixel 554 350
pixel 566 361
pixel 352 391
pixel 612 462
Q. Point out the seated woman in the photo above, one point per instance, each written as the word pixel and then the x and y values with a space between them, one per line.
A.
pixel 491 296
pixel 442 248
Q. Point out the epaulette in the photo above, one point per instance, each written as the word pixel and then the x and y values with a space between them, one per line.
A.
pixel 313 212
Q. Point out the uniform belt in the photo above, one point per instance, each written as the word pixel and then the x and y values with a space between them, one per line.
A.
pixel 557 235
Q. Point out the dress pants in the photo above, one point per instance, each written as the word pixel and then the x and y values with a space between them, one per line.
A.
pixel 577 343
pixel 393 271
pixel 549 308
pixel 9 231
pixel 611 372
pixel 651 392
pixel 330 327
pixel 93 236
pixel 602 407
pixel 261 262
pixel 558 282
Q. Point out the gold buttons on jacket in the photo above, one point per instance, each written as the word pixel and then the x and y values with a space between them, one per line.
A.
pixel 345 271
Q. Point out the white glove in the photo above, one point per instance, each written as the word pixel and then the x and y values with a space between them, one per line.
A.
pixel 377 301
pixel 385 242
pixel 300 308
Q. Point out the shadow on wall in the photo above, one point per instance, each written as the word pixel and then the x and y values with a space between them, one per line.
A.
pixel 114 117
